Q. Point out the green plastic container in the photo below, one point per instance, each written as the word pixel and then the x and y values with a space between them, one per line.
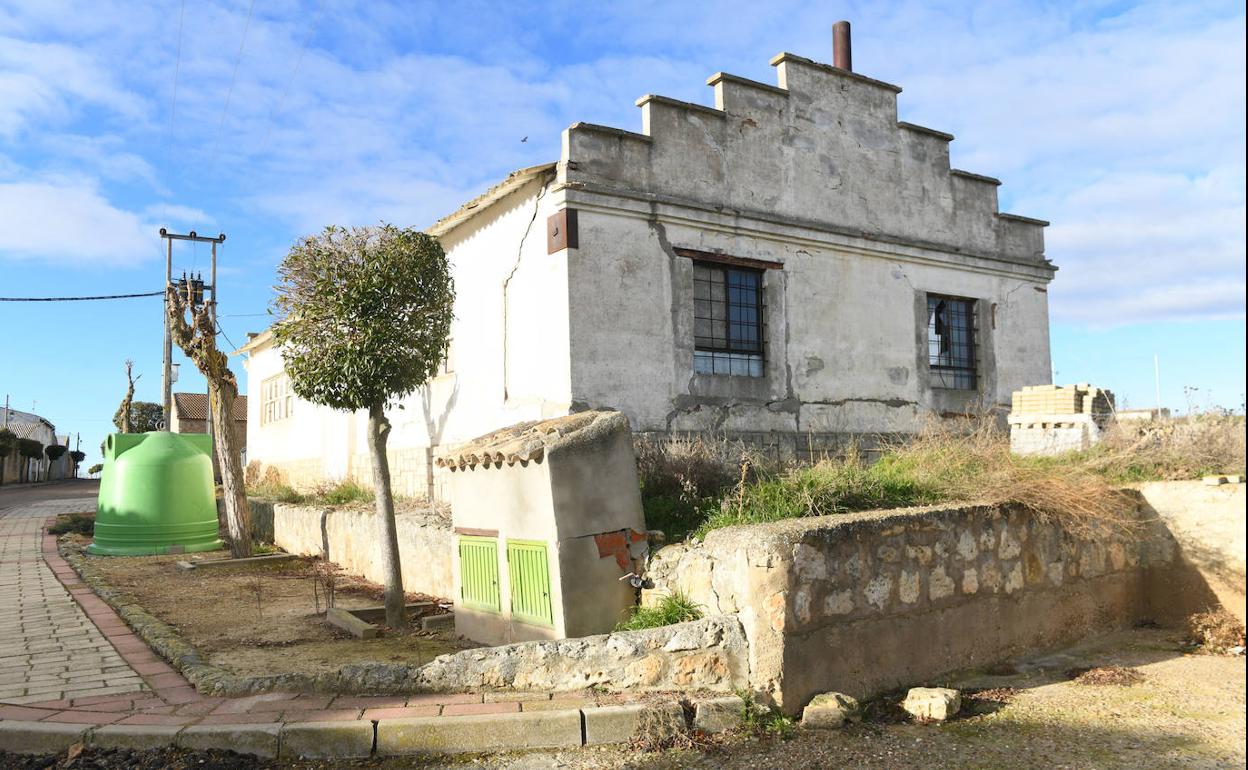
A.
pixel 156 495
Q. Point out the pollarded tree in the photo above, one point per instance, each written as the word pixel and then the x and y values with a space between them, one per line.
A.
pixel 31 449
pixel 8 442
pixel 198 340
pixel 366 318
pixel 53 452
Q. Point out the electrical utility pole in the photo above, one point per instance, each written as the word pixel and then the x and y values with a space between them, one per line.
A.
pixel 1157 381
pixel 167 402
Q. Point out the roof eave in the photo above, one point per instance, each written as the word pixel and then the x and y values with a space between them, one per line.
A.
pixel 513 182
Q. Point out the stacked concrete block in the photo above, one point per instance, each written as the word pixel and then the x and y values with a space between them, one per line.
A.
pixel 1053 419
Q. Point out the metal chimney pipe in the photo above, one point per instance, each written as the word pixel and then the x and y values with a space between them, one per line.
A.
pixel 842 48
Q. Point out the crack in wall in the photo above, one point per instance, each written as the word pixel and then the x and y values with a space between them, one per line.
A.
pixel 537 204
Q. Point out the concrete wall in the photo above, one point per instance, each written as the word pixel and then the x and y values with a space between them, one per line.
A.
pixel 1207 523
pixel 349 539
pixel 862 603
pixel 508 362
pixel 864 217
pixel 579 495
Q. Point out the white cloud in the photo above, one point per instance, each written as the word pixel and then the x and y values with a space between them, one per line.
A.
pixel 1124 125
pixel 68 221
pixel 48 82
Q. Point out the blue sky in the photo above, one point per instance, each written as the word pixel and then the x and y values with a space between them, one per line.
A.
pixel 1122 123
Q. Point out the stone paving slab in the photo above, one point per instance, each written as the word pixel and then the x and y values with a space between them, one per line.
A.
pixel 72 671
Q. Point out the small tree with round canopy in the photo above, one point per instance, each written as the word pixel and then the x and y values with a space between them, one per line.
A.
pixel 366 317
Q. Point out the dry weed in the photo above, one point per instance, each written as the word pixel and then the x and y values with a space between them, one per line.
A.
pixel 659 729
pixel 1117 676
pixel 1217 631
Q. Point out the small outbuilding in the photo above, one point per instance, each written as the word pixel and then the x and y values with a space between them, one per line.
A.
pixel 548 527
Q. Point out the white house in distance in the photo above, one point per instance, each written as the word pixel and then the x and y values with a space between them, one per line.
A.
pixel 791 266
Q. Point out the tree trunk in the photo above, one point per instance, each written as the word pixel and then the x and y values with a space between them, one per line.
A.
pixel 233 488
pixel 198 340
pixel 387 531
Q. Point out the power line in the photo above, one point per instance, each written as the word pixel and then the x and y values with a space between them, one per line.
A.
pixel 281 99
pixel 80 299
pixel 216 145
pixel 173 109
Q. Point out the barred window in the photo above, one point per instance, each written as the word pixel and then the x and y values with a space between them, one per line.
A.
pixel 951 342
pixel 277 400
pixel 727 320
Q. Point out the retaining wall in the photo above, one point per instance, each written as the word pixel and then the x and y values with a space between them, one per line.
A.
pixel 1207 524
pixel 349 539
pixel 706 654
pixel 861 603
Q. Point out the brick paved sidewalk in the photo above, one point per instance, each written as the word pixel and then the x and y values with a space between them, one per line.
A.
pixel 66 657
pixel 49 650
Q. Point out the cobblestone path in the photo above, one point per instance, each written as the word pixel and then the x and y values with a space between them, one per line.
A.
pixel 49 649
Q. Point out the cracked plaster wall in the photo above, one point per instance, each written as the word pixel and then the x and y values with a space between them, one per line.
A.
pixel 866 217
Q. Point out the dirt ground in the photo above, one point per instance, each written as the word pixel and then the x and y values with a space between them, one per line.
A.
pixel 1186 712
pixel 264 620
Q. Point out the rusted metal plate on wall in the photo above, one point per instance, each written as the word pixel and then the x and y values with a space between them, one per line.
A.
pixel 561 231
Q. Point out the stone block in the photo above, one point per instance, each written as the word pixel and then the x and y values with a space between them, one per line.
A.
pixel 350 623
pixel 932 703
pixel 137 737
pixel 444 623
pixel 326 739
pixel 258 739
pixel 39 737
pixel 484 732
pixel 717 715
pixel 831 710
pixel 620 724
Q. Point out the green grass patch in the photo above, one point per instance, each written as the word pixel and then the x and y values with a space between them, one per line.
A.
pixel 671 609
pixel 76 523
pixel 270 490
pixel 829 487
pixel 691 485
pixel 344 492
pixel 757 719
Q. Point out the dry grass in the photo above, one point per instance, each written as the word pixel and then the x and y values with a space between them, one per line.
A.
pixel 1170 450
pixel 694 484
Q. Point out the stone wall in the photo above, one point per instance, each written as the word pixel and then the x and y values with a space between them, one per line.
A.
pixel 707 654
pixel 348 537
pixel 861 603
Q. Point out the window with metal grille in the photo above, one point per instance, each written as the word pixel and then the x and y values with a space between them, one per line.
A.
pixel 728 329
pixel 951 342
pixel 530 582
pixel 478 573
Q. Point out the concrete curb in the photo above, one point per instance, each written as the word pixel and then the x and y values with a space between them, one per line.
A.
pixel 39 737
pixel 483 732
pixel 569 728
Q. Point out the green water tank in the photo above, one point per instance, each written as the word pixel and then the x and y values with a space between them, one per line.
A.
pixel 156 495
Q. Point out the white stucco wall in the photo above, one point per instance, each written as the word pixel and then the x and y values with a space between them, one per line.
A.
pixel 502 372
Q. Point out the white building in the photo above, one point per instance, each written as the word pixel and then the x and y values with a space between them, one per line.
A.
pixel 789 266
pixel 14 467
